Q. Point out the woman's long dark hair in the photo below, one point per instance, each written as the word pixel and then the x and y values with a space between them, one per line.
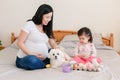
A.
pixel 87 32
pixel 37 19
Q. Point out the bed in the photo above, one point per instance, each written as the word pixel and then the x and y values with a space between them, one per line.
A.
pixel 67 39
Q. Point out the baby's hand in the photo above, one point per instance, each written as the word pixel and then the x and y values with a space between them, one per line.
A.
pixel 80 55
pixel 86 55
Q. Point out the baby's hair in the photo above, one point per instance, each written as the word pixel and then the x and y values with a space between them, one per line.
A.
pixel 87 32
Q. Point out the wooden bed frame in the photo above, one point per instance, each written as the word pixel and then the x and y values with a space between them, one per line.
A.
pixel 59 35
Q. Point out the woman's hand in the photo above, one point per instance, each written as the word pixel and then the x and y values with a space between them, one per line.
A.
pixel 38 55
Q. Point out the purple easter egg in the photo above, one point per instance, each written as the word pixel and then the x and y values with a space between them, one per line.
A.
pixel 66 68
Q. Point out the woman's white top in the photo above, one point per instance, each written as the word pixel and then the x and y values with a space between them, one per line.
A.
pixel 36 42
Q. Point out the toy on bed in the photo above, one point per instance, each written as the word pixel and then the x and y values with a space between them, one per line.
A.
pixel 48 66
pixel 85 67
pixel 57 58
pixel 66 68
pixel 87 64
pixel 80 67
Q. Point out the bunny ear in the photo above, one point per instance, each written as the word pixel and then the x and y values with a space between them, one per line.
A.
pixel 50 52
pixel 48 55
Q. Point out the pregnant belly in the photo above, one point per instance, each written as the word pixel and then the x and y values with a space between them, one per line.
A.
pixel 38 48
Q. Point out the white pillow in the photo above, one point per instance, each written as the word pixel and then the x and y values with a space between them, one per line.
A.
pixel 97 39
pixel 72 37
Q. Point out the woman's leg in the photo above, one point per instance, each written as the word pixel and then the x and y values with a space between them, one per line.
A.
pixel 30 62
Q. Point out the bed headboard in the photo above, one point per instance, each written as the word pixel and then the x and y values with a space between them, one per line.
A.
pixel 59 35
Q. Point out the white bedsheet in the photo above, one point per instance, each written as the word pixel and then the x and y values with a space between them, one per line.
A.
pixel 8 70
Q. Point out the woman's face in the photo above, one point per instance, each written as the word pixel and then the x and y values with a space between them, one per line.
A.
pixel 46 18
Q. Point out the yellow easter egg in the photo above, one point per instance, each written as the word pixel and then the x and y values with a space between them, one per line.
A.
pixel 48 66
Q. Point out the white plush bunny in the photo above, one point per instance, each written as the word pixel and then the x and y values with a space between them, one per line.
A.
pixel 57 58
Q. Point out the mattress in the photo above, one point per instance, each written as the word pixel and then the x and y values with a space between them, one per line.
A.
pixel 111 62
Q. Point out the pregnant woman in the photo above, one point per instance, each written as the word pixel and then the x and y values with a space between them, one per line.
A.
pixel 34 39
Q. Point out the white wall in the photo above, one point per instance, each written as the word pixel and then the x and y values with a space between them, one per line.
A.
pixel 101 16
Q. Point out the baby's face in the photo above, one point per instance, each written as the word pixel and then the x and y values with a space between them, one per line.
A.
pixel 84 39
